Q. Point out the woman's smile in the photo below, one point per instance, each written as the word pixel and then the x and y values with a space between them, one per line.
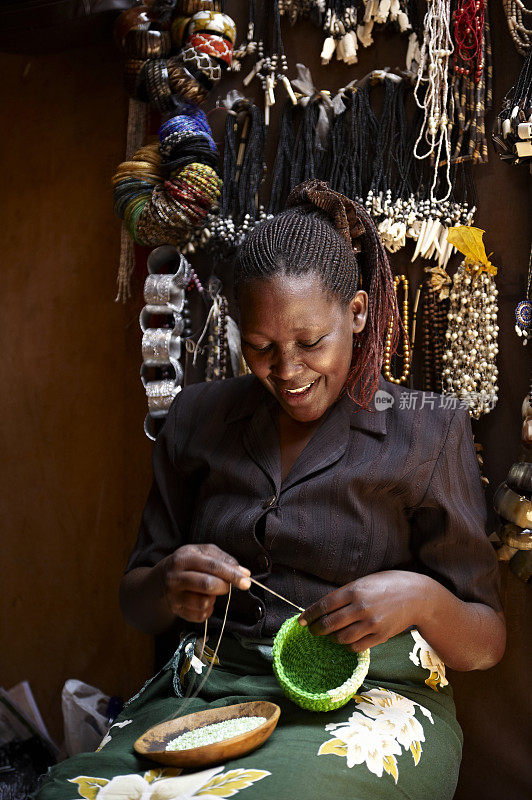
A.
pixel 299 395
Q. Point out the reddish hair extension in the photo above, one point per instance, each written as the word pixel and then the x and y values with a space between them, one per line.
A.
pixel 377 280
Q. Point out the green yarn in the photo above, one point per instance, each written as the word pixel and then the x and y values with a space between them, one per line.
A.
pixel 314 671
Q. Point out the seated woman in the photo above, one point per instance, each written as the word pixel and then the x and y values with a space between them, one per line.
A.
pixel 369 516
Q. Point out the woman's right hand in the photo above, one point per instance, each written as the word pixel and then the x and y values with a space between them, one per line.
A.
pixel 195 574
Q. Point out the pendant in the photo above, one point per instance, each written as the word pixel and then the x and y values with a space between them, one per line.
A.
pixel 523 319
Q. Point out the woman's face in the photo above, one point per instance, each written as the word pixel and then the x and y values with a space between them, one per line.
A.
pixel 298 341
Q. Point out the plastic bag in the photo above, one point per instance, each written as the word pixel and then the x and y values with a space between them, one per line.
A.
pixel 84 716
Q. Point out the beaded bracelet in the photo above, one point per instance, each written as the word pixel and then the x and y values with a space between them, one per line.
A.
pixel 191 112
pixel 180 191
pixel 183 155
pixel 167 147
pixel 123 197
pixel 186 157
pixel 155 73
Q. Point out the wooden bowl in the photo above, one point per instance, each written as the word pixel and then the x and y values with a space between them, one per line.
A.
pixel 152 744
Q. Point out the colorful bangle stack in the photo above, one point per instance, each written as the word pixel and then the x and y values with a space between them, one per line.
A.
pixel 165 199
pixel 156 211
pixel 167 189
pixel 153 73
pixel 133 184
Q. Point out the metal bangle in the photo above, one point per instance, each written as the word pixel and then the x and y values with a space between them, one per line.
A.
pixel 520 477
pixel 513 507
pixel 513 536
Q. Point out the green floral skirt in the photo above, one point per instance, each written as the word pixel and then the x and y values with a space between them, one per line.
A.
pixel 397 738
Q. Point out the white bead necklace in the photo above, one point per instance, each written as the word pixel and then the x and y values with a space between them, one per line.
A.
pixel 438 102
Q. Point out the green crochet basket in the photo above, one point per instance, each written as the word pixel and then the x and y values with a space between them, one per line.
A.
pixel 314 671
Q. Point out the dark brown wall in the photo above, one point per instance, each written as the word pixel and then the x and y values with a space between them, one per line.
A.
pixel 75 467
pixel 75 461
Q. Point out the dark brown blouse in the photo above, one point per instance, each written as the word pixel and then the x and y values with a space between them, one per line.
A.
pixel 394 488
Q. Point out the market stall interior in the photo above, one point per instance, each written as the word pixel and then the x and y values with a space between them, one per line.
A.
pixel 194 122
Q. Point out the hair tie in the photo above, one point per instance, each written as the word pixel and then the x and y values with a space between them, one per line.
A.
pixel 342 211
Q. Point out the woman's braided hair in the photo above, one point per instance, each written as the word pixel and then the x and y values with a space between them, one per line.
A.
pixel 325 233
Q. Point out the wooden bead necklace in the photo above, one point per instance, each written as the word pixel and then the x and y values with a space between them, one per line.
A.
pixel 521 34
pixel 434 327
pixel 407 354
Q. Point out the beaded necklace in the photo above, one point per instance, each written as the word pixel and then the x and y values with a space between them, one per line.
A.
pixel 512 133
pixel 350 23
pixel 470 371
pixel 243 171
pixel 521 34
pixel 341 140
pixel 434 317
pixel 407 352
pixel 271 65
pixel 437 102
pixel 471 81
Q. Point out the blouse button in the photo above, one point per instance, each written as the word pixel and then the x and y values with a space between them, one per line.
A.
pixel 271 501
pixel 263 562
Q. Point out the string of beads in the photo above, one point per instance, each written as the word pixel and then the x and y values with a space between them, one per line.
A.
pixel 387 365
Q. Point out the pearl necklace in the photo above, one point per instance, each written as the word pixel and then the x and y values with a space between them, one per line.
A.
pixel 470 372
pixel 406 343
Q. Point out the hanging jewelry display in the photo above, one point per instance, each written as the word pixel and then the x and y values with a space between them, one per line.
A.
pixel 516 13
pixel 346 23
pixel 162 324
pixel 523 311
pixel 217 344
pixel 249 45
pixel 370 157
pixel 407 354
pixel 243 171
pixel 512 131
pixel 434 324
pixel 224 349
pixel 471 81
pixel 271 66
pixel 436 100
pixel 470 371
pixel 175 53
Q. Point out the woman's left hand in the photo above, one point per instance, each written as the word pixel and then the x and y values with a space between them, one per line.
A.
pixel 370 610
